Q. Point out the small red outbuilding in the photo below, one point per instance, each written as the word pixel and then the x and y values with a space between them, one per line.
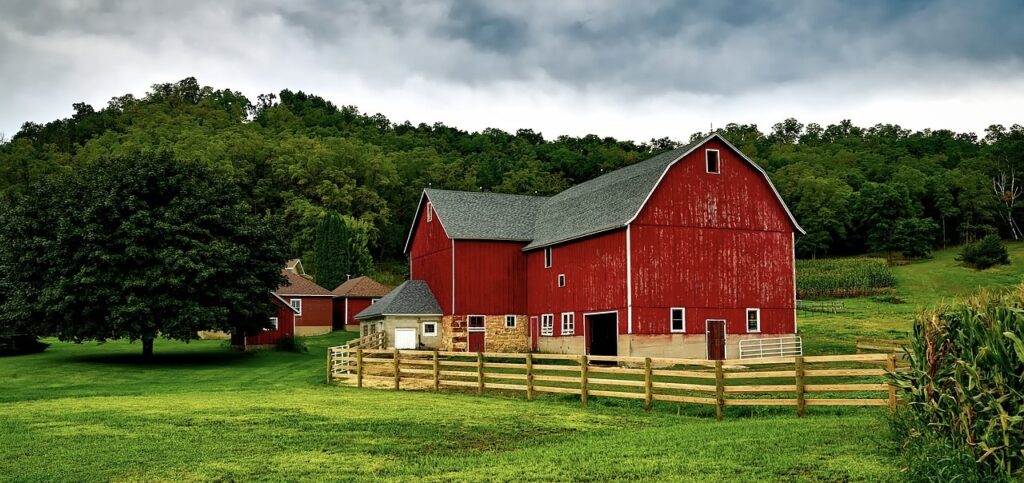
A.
pixel 314 304
pixel 354 296
pixel 283 323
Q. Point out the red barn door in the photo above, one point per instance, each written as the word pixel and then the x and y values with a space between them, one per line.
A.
pixel 477 333
pixel 716 339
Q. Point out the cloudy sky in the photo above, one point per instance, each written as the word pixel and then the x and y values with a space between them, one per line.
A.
pixel 627 68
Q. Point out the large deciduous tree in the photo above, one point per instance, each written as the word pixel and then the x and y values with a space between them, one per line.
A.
pixel 134 248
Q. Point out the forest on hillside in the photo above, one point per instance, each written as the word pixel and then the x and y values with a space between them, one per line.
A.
pixel 297 156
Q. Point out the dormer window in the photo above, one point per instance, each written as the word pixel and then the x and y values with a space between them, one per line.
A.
pixel 430 213
pixel 713 162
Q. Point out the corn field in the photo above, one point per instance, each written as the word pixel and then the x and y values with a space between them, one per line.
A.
pixel 842 277
pixel 966 381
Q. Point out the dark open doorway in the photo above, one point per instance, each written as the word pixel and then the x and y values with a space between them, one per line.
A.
pixel 603 334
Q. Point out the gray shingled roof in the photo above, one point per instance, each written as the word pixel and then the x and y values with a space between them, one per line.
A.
pixel 412 297
pixel 485 216
pixel 603 203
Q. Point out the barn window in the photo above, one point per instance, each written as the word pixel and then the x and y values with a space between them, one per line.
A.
pixel 568 323
pixel 561 280
pixel 476 321
pixel 510 321
pixel 297 305
pixel 373 301
pixel 430 213
pixel 677 316
pixel 547 257
pixel 714 166
pixel 273 323
pixel 430 328
pixel 753 320
pixel 547 324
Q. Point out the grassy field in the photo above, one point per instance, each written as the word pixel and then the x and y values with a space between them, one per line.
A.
pixel 201 412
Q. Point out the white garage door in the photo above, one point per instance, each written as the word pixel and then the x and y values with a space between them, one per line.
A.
pixel 405 338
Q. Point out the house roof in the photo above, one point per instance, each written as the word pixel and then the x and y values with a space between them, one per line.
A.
pixel 360 287
pixel 412 297
pixel 284 302
pixel 299 285
pixel 604 203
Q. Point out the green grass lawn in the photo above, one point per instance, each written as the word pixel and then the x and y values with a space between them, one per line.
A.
pixel 202 412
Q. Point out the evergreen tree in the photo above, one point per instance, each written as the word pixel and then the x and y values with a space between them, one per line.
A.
pixel 330 252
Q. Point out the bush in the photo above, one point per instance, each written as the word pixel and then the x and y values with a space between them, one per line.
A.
pixel 843 277
pixel 964 387
pixel 985 253
pixel 20 344
pixel 290 344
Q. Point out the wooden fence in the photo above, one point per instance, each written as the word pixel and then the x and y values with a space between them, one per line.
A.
pixel 803 381
pixel 887 346
pixel 375 340
pixel 823 306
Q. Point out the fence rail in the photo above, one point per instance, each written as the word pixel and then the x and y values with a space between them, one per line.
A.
pixel 823 306
pixel 375 340
pixel 841 380
pixel 789 346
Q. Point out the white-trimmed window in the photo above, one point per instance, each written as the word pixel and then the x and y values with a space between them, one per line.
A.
pixel 714 163
pixel 568 323
pixel 547 257
pixel 297 305
pixel 477 322
pixel 561 280
pixel 753 320
pixel 273 323
pixel 430 212
pixel 429 329
pixel 510 321
pixel 677 319
pixel 547 324
pixel 373 301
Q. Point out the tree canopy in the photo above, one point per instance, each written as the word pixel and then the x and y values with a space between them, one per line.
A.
pixel 298 156
pixel 136 247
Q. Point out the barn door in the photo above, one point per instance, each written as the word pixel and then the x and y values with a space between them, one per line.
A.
pixel 715 335
pixel 477 334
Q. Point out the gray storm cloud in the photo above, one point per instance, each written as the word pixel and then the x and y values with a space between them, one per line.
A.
pixel 594 56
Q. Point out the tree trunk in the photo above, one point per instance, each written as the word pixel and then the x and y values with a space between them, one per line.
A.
pixel 147 347
pixel 943 232
pixel 238 339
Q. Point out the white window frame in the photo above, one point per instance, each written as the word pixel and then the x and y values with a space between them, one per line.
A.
pixel 274 321
pixel 425 332
pixel 746 320
pixel 547 325
pixel 718 161
pixel 548 257
pixel 561 280
pixel 568 323
pixel 430 212
pixel 672 320
pixel 373 301
pixel 513 319
pixel 298 308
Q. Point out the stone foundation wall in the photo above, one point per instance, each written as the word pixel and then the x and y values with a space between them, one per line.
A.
pixel 306 330
pixel 497 338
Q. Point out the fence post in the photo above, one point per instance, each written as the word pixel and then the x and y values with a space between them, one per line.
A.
pixel 359 367
pixel 479 372
pixel 648 385
pixel 329 368
pixel 801 403
pixel 719 391
pixel 529 376
pixel 398 370
pixel 583 380
pixel 437 373
pixel 891 365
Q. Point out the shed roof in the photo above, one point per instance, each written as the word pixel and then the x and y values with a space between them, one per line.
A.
pixel 299 285
pixel 360 287
pixel 412 297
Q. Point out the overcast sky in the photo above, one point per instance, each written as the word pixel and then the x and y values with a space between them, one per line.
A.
pixel 630 69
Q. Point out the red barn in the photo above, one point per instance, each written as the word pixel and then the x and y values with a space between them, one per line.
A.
pixel 354 296
pixel 283 325
pixel 684 255
pixel 314 304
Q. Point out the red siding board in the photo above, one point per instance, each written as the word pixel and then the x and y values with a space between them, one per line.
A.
pixel 285 325
pixel 490 277
pixel 595 273
pixel 355 305
pixel 430 258
pixel 316 311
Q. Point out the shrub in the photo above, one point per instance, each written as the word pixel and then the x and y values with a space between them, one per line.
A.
pixel 985 253
pixel 843 277
pixel 20 344
pixel 964 387
pixel 290 344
